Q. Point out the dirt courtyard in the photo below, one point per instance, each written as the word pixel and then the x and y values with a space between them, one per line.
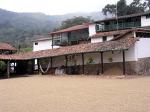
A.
pixel 74 94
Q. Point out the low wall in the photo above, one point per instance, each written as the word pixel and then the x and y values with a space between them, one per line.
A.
pixel 140 67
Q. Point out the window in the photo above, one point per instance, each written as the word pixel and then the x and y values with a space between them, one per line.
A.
pixel 104 38
pixel 36 43
pixel 57 42
pixel 74 42
pixel 148 16
pixel 99 27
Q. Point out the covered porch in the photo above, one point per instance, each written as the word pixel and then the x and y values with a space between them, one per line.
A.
pixel 78 59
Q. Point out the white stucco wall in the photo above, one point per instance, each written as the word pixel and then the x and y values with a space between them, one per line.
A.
pixel 43 45
pixel 143 47
pixel 145 21
pixel 96 40
pixel 130 55
pixel 92 29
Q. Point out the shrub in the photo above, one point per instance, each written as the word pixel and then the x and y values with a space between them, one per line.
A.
pixel 3 66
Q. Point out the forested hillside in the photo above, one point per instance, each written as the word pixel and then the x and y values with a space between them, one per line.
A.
pixel 20 28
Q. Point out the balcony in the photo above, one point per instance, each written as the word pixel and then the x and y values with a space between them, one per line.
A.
pixel 121 26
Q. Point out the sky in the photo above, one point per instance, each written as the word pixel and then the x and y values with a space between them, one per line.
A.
pixel 55 7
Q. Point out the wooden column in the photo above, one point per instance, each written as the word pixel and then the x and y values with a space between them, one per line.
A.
pixel 124 67
pixel 8 69
pixel 61 38
pixel 83 63
pixel 51 62
pixel 52 41
pixel 66 64
pixel 102 64
pixel 68 37
pixel 38 64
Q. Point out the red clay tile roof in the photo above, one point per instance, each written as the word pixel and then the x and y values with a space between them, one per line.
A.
pixel 73 28
pixel 124 17
pixel 144 30
pixel 110 33
pixel 6 46
pixel 41 38
pixel 122 44
pixel 120 33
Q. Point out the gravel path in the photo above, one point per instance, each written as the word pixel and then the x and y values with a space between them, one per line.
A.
pixel 74 94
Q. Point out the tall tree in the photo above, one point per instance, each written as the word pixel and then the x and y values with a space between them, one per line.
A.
pixel 136 7
pixel 74 21
pixel 147 4
pixel 109 9
pixel 123 9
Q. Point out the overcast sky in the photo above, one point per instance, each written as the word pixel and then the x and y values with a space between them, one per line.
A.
pixel 55 7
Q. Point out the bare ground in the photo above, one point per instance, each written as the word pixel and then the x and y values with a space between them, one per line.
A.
pixel 74 94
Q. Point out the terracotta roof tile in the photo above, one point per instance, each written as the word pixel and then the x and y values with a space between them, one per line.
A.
pixel 73 28
pixel 6 46
pixel 110 33
pixel 122 44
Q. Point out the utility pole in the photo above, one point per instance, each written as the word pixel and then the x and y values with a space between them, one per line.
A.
pixel 117 16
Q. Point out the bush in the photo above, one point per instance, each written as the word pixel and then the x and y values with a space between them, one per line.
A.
pixel 3 66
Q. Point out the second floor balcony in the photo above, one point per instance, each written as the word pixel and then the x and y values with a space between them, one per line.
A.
pixel 119 26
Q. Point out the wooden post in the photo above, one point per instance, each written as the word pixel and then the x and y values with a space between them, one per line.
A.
pixel 8 69
pixel 102 64
pixel 51 62
pixel 52 41
pixel 61 38
pixel 66 64
pixel 68 37
pixel 83 63
pixel 124 67
pixel 38 63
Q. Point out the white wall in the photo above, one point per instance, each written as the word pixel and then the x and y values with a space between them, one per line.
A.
pixel 99 39
pixel 143 47
pixel 144 21
pixel 92 29
pixel 110 38
pixel 43 45
pixel 130 55
pixel 96 40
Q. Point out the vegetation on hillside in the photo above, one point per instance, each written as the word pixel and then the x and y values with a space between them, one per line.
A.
pixel 75 21
pixel 19 28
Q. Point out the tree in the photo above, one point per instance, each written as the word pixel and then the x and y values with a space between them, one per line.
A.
pixel 2 66
pixel 136 7
pixel 109 9
pixel 123 9
pixel 74 21
pixel 147 4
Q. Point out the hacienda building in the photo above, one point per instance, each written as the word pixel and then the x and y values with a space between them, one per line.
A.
pixel 92 48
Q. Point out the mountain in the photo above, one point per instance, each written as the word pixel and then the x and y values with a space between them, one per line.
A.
pixel 21 27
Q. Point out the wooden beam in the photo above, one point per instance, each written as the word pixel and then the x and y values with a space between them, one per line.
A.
pixel 124 67
pixel 102 64
pixel 8 69
pixel 66 64
pixel 83 63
